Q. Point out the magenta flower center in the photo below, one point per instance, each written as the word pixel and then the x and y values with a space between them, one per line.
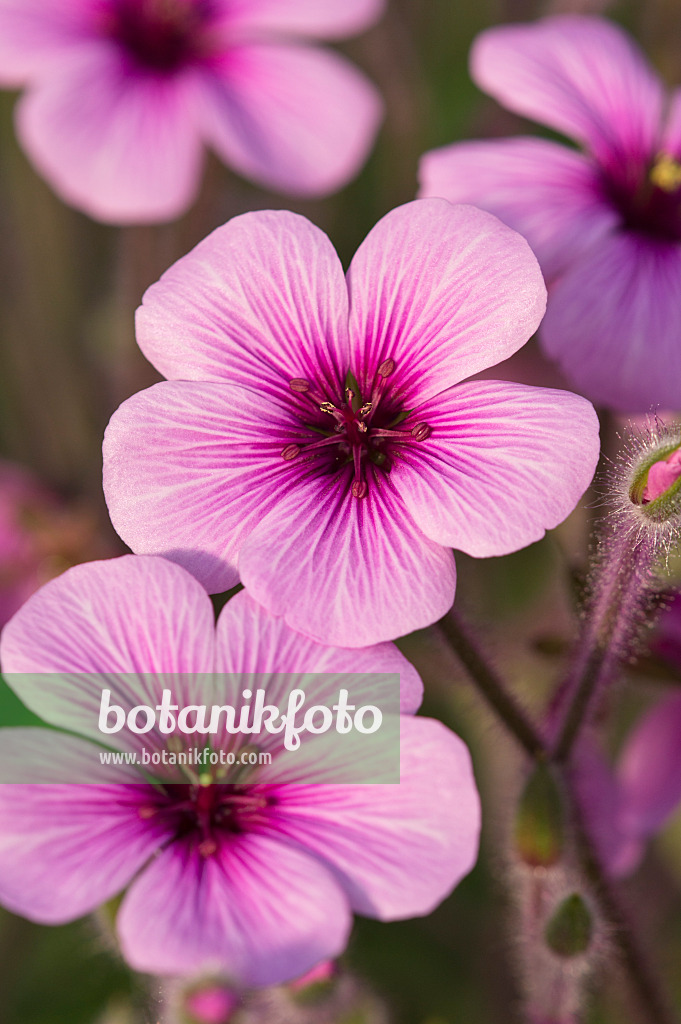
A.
pixel 361 432
pixel 210 815
pixel 651 205
pixel 161 35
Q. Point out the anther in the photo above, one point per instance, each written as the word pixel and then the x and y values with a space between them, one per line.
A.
pixel 291 451
pixel 327 407
pixel 147 812
pixel 421 431
pixel 366 409
pixel 208 847
pixel 386 368
pixel 299 384
pixel 359 489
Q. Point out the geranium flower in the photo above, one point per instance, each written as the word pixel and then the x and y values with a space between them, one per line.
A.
pixel 123 95
pixel 315 439
pixel 605 223
pixel 255 879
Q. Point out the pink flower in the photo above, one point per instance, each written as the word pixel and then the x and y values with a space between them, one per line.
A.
pixel 123 95
pixel 606 223
pixel 256 880
pixel 314 438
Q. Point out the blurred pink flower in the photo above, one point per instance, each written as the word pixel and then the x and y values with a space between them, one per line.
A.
pixel 123 95
pixel 255 879
pixel 605 224
pixel 39 536
pixel 211 1004
pixel 314 438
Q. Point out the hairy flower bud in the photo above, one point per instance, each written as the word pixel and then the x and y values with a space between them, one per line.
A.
pixel 539 829
pixel 570 929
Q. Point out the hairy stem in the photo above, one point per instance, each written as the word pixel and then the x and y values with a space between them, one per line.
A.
pixel 492 687
pixel 619 596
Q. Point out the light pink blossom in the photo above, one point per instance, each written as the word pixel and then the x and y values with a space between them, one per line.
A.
pixel 122 96
pixel 255 880
pixel 605 223
pixel 315 438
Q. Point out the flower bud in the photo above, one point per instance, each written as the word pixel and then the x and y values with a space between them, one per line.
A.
pixel 539 829
pixel 570 930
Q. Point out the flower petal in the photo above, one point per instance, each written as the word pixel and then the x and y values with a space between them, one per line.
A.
pixel 321 19
pixel 259 302
pixel 581 75
pixel 504 463
pixel 36 34
pixel 398 850
pixel 547 192
pixel 649 769
pixel 190 469
pixel 258 911
pixel 249 639
pixel 293 118
pixel 346 571
pixel 65 849
pixel 115 142
pixel 612 323
pixel 444 291
pixel 112 620
pixel 671 142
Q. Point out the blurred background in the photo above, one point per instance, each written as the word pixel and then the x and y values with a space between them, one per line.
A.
pixel 68 358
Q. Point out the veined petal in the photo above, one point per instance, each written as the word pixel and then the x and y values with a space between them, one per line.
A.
pixel 259 911
pixel 259 302
pixel 444 291
pixel 549 193
pixel 67 848
pixel 37 34
pixel 321 19
pixel 190 469
pixel 112 140
pixel 504 463
pixel 249 639
pixel 581 75
pixel 112 620
pixel 346 571
pixel 612 323
pixel 397 849
pixel 297 119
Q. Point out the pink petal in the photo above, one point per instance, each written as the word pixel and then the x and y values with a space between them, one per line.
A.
pixel 323 19
pixel 398 850
pixel 504 463
pixel 547 192
pixel 612 323
pixel 36 34
pixel 66 848
pixel 115 142
pixel 671 142
pixel 249 639
pixel 261 301
pixel 649 769
pixel 296 119
pixel 127 615
pixel 581 75
pixel 259 911
pixel 346 571
pixel 190 469
pixel 662 475
pixel 444 291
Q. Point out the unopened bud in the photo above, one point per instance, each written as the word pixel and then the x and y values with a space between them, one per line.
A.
pixel 570 930
pixel 539 829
